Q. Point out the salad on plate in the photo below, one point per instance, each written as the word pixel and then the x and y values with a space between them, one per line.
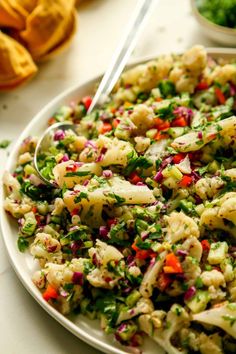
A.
pixel 139 230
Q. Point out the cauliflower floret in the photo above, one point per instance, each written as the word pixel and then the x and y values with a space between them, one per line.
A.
pixel 58 206
pixel 60 274
pixel 195 59
pixel 142 306
pixel 46 248
pixel 186 84
pixel 116 151
pixel 193 142
pixel 222 316
pixel 18 209
pixel 231 173
pixel 142 144
pixel 79 143
pixel 28 144
pixel 176 319
pixel 223 74
pixel 146 76
pixel 191 270
pixel 232 290
pixel 216 294
pixel 123 95
pixel 227 269
pixel 180 226
pixel 201 342
pixel 213 277
pixel 105 253
pixel 134 271
pixel 207 187
pixel 24 158
pixel 150 277
pixel 64 176
pixel 194 248
pixel 210 344
pixel 102 278
pixel 12 185
pixel 228 210
pixel 143 118
pixel 211 219
pixel 39 279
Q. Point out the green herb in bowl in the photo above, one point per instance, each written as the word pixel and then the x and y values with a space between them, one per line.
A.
pixel 221 12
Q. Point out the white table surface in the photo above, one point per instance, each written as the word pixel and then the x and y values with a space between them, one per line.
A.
pixel 24 326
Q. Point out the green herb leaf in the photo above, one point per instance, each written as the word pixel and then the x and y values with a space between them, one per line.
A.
pixel 22 244
pixel 78 173
pixel 4 144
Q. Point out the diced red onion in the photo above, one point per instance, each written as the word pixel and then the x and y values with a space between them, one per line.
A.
pixel 107 173
pixel 198 200
pixel 183 112
pixel 144 235
pixel 21 221
pixel 59 135
pixel 199 135
pixel 77 278
pixel 190 293
pixel 99 158
pixel 158 177
pixel 75 246
pixel 63 293
pixel 140 184
pixel 130 259
pixel 65 158
pixel 74 228
pixel 122 327
pixel 152 261
pixel 166 161
pixel 103 231
pixel 90 143
pixel 86 182
pixel 195 176
pixel 182 253
pixel 48 218
pixel 127 290
pixel 232 89
pixel 51 249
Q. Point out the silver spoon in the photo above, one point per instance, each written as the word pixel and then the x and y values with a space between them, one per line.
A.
pixel 109 79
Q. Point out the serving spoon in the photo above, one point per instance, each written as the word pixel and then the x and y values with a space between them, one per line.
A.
pixel 108 81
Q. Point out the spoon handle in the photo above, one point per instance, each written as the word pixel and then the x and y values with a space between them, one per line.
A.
pixel 122 52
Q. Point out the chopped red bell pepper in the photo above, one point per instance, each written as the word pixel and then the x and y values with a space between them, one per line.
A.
pixel 134 178
pixel 172 264
pixel 164 281
pixel 111 222
pixel 159 135
pixel 179 122
pixel 34 209
pixel 50 293
pixel 115 123
pixel 178 158
pixel 105 128
pixel 87 100
pixel 205 245
pixel 52 121
pixel 74 212
pixel 185 181
pixel 202 85
pixel 220 96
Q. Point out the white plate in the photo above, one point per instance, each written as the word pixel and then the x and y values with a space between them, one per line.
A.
pixel 23 263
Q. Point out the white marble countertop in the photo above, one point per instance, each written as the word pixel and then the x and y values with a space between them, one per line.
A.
pixel 25 327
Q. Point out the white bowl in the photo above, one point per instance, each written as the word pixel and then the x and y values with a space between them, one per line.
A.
pixel 220 34
pixel 23 263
